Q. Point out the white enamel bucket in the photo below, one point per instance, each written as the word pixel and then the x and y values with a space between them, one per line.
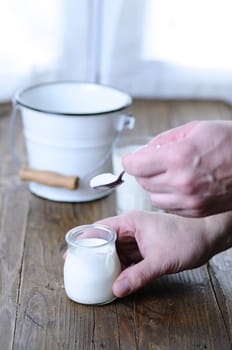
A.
pixel 70 129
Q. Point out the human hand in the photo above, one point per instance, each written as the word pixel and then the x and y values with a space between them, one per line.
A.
pixel 154 244
pixel 187 170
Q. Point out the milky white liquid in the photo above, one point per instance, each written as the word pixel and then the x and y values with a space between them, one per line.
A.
pixel 102 179
pixel 89 271
pixel 130 195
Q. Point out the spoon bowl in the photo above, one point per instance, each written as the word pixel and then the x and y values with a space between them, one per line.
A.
pixel 106 181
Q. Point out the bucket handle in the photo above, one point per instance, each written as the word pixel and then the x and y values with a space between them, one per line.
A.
pixel 126 121
pixel 55 179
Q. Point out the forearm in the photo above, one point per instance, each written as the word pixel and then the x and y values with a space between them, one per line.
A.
pixel 219 231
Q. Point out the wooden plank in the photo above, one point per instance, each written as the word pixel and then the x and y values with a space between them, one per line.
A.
pixel 42 291
pixel 154 116
pixel 220 269
pixel 13 213
pixel 180 312
pixel 105 335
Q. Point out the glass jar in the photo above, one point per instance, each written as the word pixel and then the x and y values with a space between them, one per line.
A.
pixel 91 264
pixel 130 195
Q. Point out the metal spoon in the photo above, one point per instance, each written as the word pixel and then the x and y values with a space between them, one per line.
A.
pixel 106 181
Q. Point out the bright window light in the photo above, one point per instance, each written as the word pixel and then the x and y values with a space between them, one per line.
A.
pixel 30 34
pixel 190 32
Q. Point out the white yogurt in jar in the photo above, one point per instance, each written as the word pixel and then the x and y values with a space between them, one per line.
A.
pixel 90 268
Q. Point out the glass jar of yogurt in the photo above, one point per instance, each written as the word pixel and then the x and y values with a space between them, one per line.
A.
pixel 91 264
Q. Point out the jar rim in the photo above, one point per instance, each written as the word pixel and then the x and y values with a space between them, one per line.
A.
pixel 78 230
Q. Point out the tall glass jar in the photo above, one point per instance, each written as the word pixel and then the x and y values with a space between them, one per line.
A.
pixel 91 264
pixel 130 195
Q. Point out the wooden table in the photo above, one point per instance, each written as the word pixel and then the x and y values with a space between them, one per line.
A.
pixel 189 310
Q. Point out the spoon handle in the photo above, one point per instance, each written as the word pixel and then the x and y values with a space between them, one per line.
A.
pixel 121 175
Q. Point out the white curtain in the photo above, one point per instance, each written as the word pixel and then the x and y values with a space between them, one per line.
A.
pixel 149 48
pixel 168 48
pixel 42 41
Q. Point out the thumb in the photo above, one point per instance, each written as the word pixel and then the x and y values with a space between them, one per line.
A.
pixel 133 278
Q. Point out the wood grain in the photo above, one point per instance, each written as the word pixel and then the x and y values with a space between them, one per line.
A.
pixel 189 310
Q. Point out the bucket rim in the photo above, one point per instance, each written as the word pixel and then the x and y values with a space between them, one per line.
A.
pixel 17 100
